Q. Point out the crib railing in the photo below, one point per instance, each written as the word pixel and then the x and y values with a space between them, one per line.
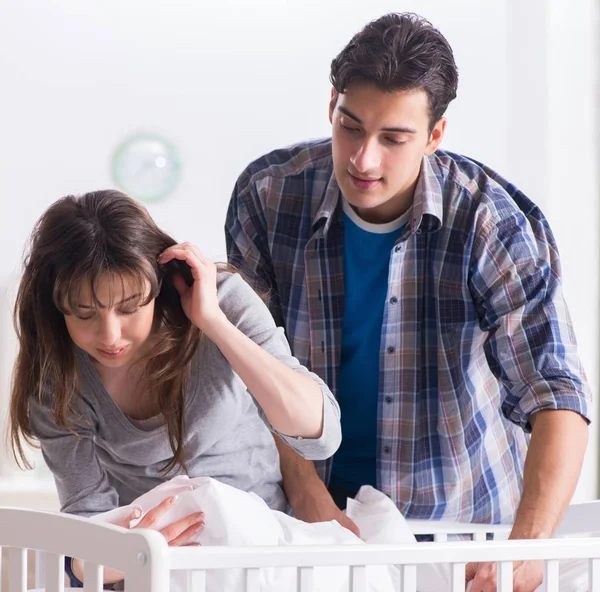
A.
pixel 142 555
pixel 579 519
pixel 147 562
pixel 406 558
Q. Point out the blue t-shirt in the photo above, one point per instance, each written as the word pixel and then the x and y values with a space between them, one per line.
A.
pixel 367 250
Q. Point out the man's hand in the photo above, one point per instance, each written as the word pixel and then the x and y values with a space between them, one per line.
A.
pixel 527 576
pixel 317 505
pixel 305 491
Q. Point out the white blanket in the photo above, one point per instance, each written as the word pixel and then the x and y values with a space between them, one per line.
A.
pixel 236 518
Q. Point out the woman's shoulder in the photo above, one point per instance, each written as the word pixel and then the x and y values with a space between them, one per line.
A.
pixel 233 290
pixel 240 303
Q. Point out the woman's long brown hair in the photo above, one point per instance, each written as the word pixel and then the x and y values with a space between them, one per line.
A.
pixel 77 240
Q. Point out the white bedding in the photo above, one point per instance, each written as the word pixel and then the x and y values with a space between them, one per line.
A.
pixel 236 518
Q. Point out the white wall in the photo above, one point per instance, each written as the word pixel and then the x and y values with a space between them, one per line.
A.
pixel 230 80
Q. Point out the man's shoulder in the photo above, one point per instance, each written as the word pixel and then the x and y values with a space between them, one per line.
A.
pixel 463 177
pixel 290 161
pixel 475 195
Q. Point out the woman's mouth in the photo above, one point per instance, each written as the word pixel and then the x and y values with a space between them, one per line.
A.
pixel 112 354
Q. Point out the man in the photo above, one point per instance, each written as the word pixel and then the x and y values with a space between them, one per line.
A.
pixel 425 290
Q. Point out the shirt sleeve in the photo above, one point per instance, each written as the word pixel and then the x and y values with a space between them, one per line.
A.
pixel 82 483
pixel 247 248
pixel 531 347
pixel 244 308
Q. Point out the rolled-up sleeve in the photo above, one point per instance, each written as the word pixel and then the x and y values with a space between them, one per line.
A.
pixel 531 345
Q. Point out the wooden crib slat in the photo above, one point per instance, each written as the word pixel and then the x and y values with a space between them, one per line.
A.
pixel 505 576
pixel 40 569
pixel 458 577
pixel 1 564
pixel 594 575
pixel 408 578
pixel 358 578
pixel 306 579
pixel 551 576
pixel 196 581
pixel 93 577
pixel 54 568
pixel 253 579
pixel 480 536
pixel 17 569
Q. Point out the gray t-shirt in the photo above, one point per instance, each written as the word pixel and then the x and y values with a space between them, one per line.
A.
pixel 113 459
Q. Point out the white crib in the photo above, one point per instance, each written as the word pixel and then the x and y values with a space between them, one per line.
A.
pixel 147 561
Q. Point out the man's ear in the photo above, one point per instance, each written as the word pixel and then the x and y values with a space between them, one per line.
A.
pixel 332 102
pixel 436 136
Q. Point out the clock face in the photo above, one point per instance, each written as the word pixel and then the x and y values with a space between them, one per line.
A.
pixel 146 167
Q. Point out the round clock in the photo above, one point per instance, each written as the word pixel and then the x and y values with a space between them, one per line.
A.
pixel 146 167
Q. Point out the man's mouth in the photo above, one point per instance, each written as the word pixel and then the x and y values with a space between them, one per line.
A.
pixel 364 182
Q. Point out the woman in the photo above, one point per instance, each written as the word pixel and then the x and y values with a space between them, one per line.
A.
pixel 139 360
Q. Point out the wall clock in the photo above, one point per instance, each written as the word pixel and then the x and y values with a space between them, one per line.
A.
pixel 146 167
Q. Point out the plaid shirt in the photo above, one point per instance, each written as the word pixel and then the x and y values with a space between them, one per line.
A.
pixel 476 336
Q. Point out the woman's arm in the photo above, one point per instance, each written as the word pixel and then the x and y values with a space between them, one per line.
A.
pixel 292 402
pixel 81 481
pixel 295 402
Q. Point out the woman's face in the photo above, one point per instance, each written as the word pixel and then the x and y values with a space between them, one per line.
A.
pixel 114 332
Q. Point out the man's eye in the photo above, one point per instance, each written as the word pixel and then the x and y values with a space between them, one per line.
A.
pixel 396 142
pixel 348 128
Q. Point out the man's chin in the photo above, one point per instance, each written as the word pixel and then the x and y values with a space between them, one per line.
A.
pixel 364 201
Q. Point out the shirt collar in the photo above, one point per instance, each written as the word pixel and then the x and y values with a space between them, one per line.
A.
pixel 427 209
pixel 328 205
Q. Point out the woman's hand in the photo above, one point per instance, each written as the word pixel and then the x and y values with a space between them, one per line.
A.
pixel 179 533
pixel 199 301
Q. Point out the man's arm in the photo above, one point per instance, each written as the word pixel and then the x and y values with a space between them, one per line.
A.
pixel 532 350
pixel 306 493
pixel 552 468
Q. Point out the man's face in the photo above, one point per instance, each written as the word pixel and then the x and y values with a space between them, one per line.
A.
pixel 379 140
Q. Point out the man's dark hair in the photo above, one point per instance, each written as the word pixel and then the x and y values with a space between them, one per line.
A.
pixel 400 51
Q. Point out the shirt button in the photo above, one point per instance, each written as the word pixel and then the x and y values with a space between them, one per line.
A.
pixel 388 399
pixel 393 300
pixel 398 248
pixel 387 449
pixel 391 349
